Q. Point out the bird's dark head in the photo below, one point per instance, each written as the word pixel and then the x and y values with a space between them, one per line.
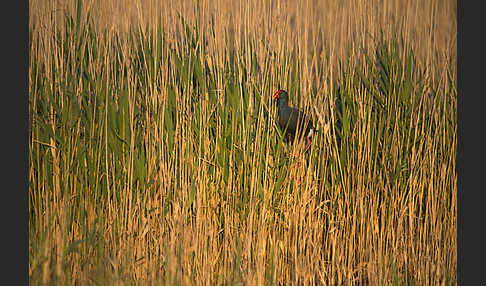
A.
pixel 281 96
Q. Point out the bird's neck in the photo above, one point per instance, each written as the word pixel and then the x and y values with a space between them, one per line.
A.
pixel 283 103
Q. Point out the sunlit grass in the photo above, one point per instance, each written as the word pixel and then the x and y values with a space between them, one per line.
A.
pixel 155 156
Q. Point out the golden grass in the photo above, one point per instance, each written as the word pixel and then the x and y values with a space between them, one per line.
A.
pixel 181 207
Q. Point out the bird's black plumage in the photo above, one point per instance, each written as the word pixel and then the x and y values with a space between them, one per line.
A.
pixel 292 120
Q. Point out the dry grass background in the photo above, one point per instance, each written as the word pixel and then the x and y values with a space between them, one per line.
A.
pixel 161 201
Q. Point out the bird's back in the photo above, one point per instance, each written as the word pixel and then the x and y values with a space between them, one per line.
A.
pixel 291 118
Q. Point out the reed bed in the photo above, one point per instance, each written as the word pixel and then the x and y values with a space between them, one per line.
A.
pixel 155 158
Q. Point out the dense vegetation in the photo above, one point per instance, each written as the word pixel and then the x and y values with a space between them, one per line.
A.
pixel 155 155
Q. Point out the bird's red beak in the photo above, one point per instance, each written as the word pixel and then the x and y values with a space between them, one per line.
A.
pixel 276 94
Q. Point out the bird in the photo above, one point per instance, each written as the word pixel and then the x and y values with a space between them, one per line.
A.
pixel 292 121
